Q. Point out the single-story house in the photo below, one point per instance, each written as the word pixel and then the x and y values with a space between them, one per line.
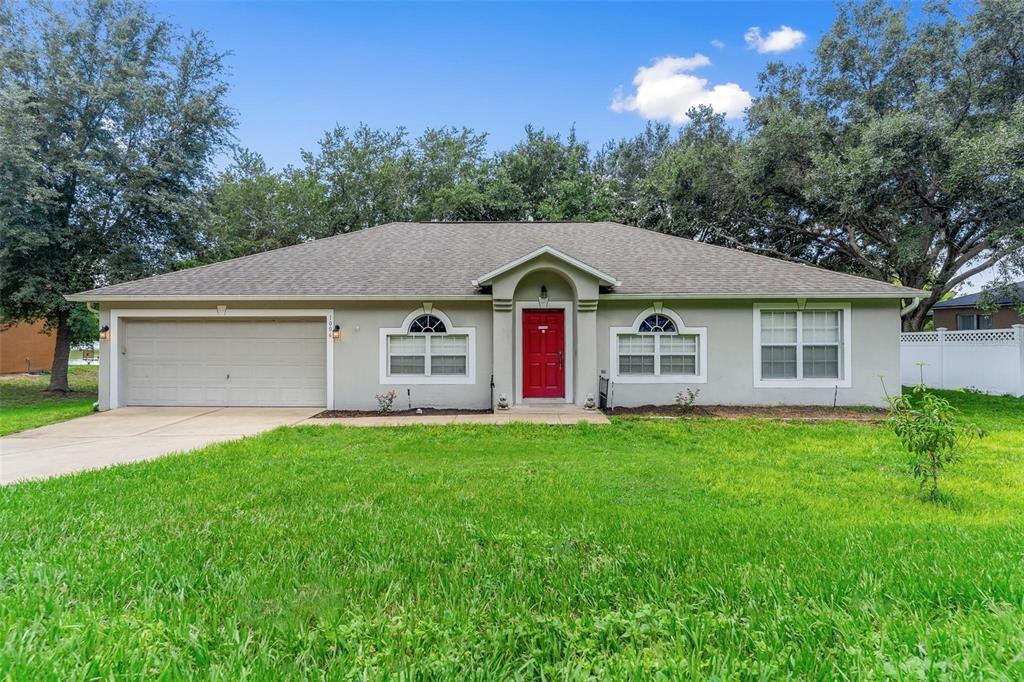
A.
pixel 438 311
pixel 26 347
pixel 962 312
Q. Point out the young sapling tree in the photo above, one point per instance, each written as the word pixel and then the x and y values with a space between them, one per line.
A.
pixel 929 427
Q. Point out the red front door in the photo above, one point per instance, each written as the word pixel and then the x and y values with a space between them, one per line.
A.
pixel 543 354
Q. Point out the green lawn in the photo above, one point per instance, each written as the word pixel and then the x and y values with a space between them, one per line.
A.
pixel 25 403
pixel 694 548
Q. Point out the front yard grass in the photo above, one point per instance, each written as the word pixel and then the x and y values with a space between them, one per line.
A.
pixel 691 548
pixel 25 403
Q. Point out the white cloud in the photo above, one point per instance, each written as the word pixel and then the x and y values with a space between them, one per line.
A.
pixel 716 43
pixel 783 39
pixel 664 90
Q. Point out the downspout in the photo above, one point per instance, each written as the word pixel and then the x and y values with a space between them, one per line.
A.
pixel 912 307
pixel 91 307
pixel 909 309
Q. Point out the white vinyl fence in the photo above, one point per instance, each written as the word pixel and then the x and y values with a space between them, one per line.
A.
pixel 988 360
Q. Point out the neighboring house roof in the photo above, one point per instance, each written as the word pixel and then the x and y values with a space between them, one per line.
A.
pixel 1011 294
pixel 444 258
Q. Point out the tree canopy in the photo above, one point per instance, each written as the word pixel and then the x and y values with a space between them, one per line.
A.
pixel 108 123
pixel 898 154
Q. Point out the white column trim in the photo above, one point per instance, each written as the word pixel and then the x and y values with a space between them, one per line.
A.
pixel 114 352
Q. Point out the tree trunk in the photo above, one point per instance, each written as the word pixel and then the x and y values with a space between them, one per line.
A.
pixel 61 352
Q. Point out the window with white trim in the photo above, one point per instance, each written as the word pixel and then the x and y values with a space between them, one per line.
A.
pixel 427 349
pixel 801 344
pixel 657 349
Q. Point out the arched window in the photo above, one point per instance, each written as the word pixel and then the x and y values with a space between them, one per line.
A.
pixel 428 348
pixel 658 347
pixel 657 324
pixel 427 324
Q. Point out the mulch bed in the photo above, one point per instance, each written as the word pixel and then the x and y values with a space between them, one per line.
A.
pixel 784 412
pixel 425 411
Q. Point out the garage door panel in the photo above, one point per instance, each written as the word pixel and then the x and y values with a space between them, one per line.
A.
pixel 220 362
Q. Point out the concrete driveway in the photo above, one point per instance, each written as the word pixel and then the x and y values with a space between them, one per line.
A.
pixel 132 434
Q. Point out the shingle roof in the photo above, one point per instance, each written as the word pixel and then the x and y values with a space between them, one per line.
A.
pixel 443 259
pixel 1005 296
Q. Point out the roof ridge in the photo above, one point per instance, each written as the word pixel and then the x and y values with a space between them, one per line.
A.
pixel 501 222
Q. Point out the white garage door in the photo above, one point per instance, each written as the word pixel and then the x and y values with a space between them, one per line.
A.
pixel 271 362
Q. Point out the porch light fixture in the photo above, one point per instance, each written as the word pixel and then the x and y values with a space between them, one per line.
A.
pixel 336 332
pixel 105 332
pixel 543 298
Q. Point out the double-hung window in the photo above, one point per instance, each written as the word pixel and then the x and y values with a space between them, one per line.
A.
pixel 426 350
pixel 807 346
pixel 656 348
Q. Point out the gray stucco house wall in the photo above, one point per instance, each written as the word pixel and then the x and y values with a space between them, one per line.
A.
pixel 334 323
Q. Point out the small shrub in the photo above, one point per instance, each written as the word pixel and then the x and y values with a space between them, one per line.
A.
pixel 686 399
pixel 385 402
pixel 928 426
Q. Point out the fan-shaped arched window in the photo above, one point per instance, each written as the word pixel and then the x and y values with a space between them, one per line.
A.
pixel 427 324
pixel 426 347
pixel 659 347
pixel 657 324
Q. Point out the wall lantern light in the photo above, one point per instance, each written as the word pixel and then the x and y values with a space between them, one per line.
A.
pixel 104 332
pixel 336 332
pixel 543 298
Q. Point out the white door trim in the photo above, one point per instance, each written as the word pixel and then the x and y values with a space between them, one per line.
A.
pixel 116 314
pixel 570 343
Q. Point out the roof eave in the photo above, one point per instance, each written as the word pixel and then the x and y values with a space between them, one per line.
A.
pixel 613 296
pixel 767 296
pixel 86 297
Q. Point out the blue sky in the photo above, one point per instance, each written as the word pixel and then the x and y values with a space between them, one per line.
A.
pixel 298 69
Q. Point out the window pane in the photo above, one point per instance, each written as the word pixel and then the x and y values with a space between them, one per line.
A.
pixel 984 321
pixel 678 364
pixel 633 343
pixel 406 354
pixel 658 324
pixel 636 364
pixel 965 322
pixel 408 364
pixel 407 345
pixel 778 326
pixel 427 324
pixel 821 362
pixel 448 345
pixel 636 354
pixel 678 344
pixel 448 364
pixel 778 362
pixel 821 326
